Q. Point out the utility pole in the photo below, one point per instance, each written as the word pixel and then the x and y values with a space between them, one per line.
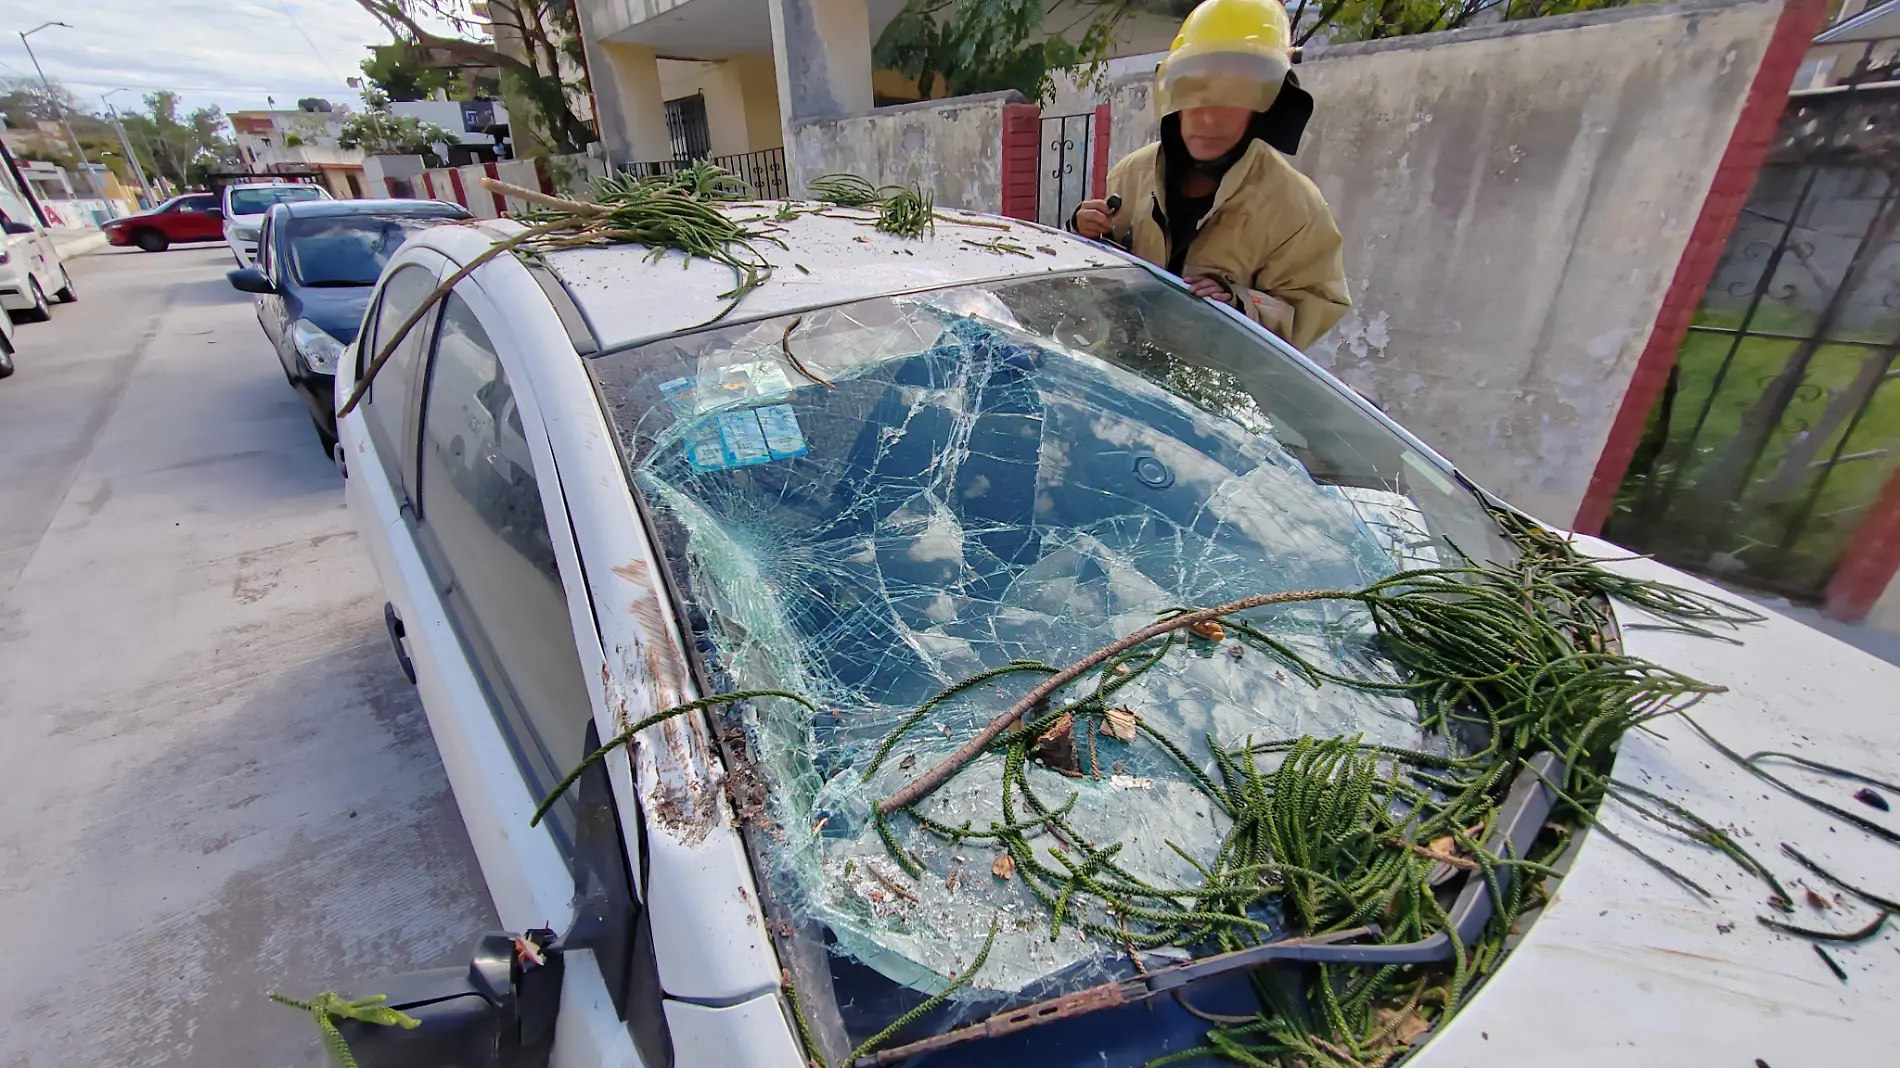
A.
pixel 52 100
pixel 138 171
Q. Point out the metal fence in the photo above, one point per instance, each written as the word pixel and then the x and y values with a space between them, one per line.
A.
pixel 1780 424
pixel 764 170
pixel 1062 176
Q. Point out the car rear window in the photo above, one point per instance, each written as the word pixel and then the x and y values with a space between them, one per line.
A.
pixel 349 250
pixel 259 201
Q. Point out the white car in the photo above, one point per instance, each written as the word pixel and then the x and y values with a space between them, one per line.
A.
pixel 31 274
pixel 245 204
pixel 8 346
pixel 898 464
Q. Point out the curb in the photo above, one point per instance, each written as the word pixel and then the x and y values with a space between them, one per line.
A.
pixel 91 242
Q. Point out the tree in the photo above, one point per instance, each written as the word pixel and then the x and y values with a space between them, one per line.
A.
pixel 1371 20
pixel 180 148
pixel 379 132
pixel 982 46
pixel 398 73
pixel 539 46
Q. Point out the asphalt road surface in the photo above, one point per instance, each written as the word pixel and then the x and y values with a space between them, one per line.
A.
pixel 217 780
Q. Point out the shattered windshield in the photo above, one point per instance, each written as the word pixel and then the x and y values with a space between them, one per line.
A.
pixel 871 503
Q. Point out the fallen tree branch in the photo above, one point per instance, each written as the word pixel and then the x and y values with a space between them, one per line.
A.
pixel 927 783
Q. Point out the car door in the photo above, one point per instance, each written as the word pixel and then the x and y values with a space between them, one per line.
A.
pixel 479 573
pixel 270 306
pixel 196 218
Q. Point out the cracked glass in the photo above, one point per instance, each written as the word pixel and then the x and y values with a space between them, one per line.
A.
pixel 868 503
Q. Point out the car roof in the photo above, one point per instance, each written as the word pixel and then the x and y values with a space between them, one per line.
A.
pixel 828 259
pixel 305 208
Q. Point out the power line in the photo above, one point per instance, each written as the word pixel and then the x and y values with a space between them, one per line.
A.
pixel 321 58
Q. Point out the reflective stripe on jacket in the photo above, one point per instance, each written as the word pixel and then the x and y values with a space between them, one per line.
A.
pixel 1269 237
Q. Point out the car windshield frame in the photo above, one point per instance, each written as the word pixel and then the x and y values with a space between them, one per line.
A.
pixel 298 228
pixel 287 193
pixel 1097 377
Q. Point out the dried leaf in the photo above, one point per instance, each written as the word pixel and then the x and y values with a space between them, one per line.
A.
pixel 1817 901
pixel 1121 724
pixel 1208 630
pixel 909 761
pixel 1443 846
pixel 1004 867
pixel 1055 747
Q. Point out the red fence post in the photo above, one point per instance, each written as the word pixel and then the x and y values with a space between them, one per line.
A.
pixel 1098 161
pixel 542 177
pixel 428 186
pixel 501 202
pixel 455 183
pixel 1734 176
pixel 1869 562
pixel 1022 136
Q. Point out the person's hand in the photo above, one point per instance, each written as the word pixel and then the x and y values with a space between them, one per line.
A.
pixel 1211 288
pixel 1092 219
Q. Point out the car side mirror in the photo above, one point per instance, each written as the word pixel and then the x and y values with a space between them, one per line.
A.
pixel 499 1012
pixel 249 280
pixel 12 227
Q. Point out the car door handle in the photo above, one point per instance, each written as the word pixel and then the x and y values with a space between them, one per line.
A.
pixel 396 634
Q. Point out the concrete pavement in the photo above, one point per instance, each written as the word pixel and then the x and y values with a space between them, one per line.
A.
pixel 219 782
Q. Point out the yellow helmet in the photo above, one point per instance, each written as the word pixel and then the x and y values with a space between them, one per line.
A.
pixel 1229 53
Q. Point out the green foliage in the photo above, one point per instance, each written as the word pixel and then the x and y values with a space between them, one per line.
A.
pixel 1371 20
pixel 180 148
pixel 328 1007
pixel 398 72
pixel 982 46
pixel 378 132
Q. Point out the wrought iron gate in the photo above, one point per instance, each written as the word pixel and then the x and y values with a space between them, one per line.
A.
pixel 1780 424
pixel 1062 177
pixel 687 129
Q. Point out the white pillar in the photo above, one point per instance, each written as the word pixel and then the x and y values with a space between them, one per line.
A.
pixel 633 112
pixel 822 52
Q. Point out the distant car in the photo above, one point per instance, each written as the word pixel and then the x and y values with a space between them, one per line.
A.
pixel 244 206
pixel 29 264
pixel 317 262
pixel 191 217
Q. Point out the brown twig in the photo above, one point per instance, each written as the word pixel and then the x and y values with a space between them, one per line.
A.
pixel 1442 858
pixel 987 224
pixel 888 884
pixel 925 784
pixel 544 200
pixel 785 344
pixel 429 302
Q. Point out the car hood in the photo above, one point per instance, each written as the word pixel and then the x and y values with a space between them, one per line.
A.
pixel 1626 962
pixel 339 311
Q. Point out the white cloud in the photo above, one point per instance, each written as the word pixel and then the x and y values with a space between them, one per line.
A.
pixel 232 53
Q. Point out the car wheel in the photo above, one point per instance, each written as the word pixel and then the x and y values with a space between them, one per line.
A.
pixel 152 241
pixel 67 294
pixel 6 359
pixel 39 312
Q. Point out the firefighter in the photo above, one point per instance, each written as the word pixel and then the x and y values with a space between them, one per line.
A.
pixel 1215 201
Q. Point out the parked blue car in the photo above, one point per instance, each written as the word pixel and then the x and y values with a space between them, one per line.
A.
pixel 317 264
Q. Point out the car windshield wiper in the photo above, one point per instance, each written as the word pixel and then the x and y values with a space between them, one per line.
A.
pixel 1520 819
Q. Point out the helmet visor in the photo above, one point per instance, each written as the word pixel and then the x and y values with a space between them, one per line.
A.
pixel 1225 78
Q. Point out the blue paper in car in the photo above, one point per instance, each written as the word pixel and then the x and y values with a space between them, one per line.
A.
pixel 782 435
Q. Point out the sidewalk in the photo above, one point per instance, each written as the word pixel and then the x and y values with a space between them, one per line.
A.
pixel 72 243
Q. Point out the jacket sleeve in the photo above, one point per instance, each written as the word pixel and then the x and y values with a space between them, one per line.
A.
pixel 1301 292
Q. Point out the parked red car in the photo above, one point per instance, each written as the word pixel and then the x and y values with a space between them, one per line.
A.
pixel 192 217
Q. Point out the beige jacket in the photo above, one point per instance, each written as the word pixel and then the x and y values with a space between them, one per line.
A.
pixel 1269 237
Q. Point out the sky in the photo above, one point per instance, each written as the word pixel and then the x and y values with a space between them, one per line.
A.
pixel 232 53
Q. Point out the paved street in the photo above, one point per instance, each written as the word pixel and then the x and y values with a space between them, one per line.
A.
pixel 219 782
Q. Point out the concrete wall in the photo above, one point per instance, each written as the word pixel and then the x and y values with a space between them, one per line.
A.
pixel 1515 200
pixel 953 147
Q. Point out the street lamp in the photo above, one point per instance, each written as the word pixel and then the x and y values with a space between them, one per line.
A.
pixel 58 112
pixel 125 142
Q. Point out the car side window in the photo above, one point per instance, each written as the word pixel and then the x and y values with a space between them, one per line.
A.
pixel 266 262
pixel 386 406
pixel 486 541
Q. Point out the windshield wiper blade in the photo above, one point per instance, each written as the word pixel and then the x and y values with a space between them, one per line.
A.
pixel 1521 817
